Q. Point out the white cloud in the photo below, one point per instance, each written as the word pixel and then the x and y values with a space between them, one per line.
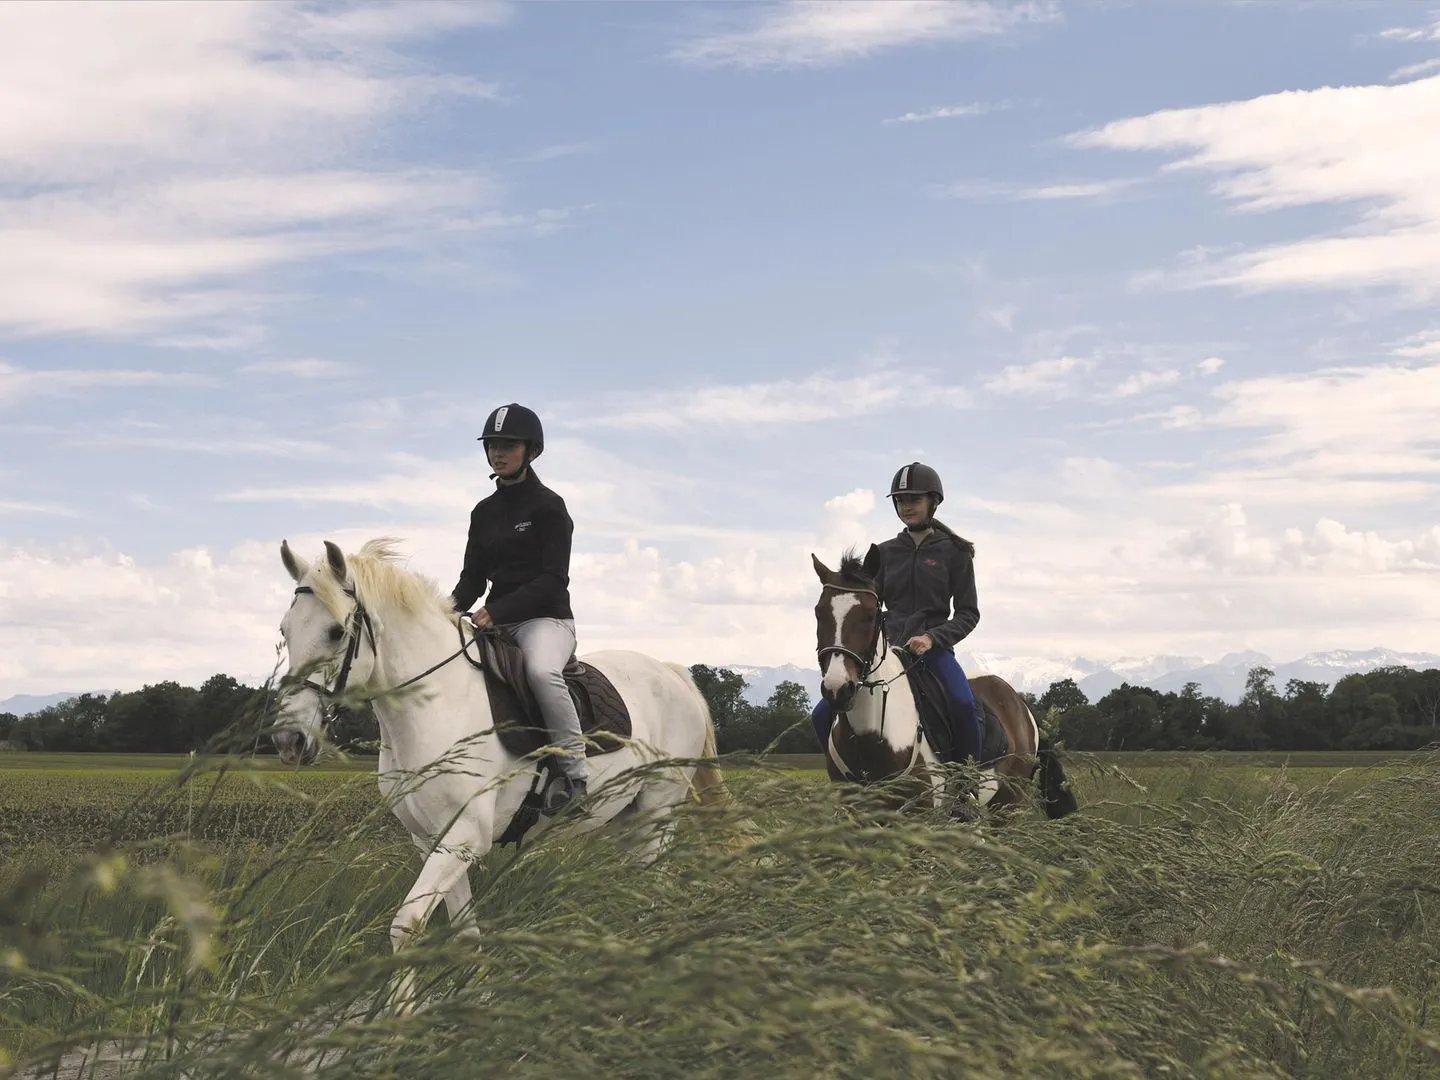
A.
pixel 157 158
pixel 1210 365
pixel 786 401
pixel 1226 543
pixel 1146 380
pixel 821 32
pixel 303 368
pixel 1051 377
pixel 17 383
pixel 1370 147
pixel 941 112
pixel 232 446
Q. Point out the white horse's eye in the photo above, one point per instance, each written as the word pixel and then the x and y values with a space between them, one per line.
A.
pixel 336 633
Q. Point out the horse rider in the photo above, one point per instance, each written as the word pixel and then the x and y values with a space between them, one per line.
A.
pixel 925 571
pixel 520 543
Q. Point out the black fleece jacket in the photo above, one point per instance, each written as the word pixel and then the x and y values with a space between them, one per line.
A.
pixel 520 543
pixel 919 583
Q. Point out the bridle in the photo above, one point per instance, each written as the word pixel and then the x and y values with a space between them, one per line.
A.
pixel 359 621
pixel 869 665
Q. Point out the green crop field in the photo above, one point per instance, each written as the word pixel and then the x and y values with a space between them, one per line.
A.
pixel 1204 915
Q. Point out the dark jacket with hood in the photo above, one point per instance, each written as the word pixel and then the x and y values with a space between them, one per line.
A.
pixel 919 583
pixel 520 543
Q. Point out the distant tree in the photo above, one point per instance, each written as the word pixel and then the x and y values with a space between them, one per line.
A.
pixel 1307 727
pixel 223 705
pixel 784 721
pixel 724 692
pixel 152 720
pixel 1063 694
pixel 1182 718
pixel 1132 714
pixel 7 721
pixel 1084 727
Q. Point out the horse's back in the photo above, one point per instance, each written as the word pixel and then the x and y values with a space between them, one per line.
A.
pixel 666 709
pixel 1010 707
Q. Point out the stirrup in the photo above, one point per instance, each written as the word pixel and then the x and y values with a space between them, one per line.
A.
pixel 562 793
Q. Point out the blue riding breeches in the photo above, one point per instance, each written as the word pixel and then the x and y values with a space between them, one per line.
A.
pixel 957 688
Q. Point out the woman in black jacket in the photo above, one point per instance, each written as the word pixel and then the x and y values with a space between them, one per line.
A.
pixel 520 544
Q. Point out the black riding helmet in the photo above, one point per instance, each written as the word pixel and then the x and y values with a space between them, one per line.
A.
pixel 918 479
pixel 515 422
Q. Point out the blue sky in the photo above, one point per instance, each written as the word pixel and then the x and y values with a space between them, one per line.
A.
pixel 1152 286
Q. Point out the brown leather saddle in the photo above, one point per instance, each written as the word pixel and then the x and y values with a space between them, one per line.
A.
pixel 519 724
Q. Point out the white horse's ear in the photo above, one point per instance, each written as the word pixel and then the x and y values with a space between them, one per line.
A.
pixel 336 558
pixel 823 572
pixel 293 566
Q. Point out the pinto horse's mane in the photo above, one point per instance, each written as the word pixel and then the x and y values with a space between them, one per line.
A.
pixel 852 570
pixel 381 582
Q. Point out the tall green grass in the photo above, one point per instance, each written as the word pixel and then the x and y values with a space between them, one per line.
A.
pixel 1189 922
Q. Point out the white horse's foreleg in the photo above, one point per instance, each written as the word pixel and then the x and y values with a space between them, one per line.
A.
pixel 438 877
pixel 442 869
pixel 457 900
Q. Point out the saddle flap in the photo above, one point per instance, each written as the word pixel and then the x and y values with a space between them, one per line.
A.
pixel 519 722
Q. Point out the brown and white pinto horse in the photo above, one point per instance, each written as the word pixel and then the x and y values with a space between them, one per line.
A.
pixel 875 737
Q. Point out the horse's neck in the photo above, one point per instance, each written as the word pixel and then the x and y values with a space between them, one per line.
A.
pixel 421 721
pixel 887 709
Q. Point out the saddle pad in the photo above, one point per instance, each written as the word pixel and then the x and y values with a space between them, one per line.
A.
pixel 604 718
pixel 937 721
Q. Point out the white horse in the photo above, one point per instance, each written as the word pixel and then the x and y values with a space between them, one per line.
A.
pixel 365 624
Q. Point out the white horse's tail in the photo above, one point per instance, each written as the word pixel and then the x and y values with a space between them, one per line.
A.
pixel 707 783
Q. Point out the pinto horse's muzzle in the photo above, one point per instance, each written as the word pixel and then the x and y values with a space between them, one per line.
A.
pixel 842 699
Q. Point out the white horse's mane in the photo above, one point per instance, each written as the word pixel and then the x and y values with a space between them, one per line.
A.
pixel 381 582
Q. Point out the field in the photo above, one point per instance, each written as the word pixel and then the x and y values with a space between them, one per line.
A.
pixel 1205 915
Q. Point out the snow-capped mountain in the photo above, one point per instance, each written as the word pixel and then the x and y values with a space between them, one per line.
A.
pixel 25 704
pixel 1223 678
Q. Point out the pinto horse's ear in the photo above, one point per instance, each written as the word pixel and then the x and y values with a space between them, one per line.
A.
pixel 336 558
pixel 871 565
pixel 293 566
pixel 823 572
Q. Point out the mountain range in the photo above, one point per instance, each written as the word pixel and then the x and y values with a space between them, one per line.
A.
pixel 1223 678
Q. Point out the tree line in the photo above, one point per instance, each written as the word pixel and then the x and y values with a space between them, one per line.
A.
pixel 1387 709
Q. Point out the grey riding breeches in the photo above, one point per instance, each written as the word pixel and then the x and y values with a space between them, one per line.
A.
pixel 548 644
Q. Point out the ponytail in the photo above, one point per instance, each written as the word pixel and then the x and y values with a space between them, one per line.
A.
pixel 960 542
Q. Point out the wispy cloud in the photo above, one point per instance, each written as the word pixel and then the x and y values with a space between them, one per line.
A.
pixel 1142 381
pixel 786 401
pixel 555 151
pixel 182 152
pixel 13 506
pixel 17 383
pixel 253 446
pixel 1012 192
pixel 942 112
pixel 1412 33
pixel 1210 365
pixel 820 32
pixel 1052 377
pixel 1421 345
pixel 1364 146
pixel 1410 71
pixel 303 368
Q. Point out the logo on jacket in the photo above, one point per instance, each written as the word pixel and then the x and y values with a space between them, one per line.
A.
pixel 521 526
pixel 931 562
pixel 500 419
